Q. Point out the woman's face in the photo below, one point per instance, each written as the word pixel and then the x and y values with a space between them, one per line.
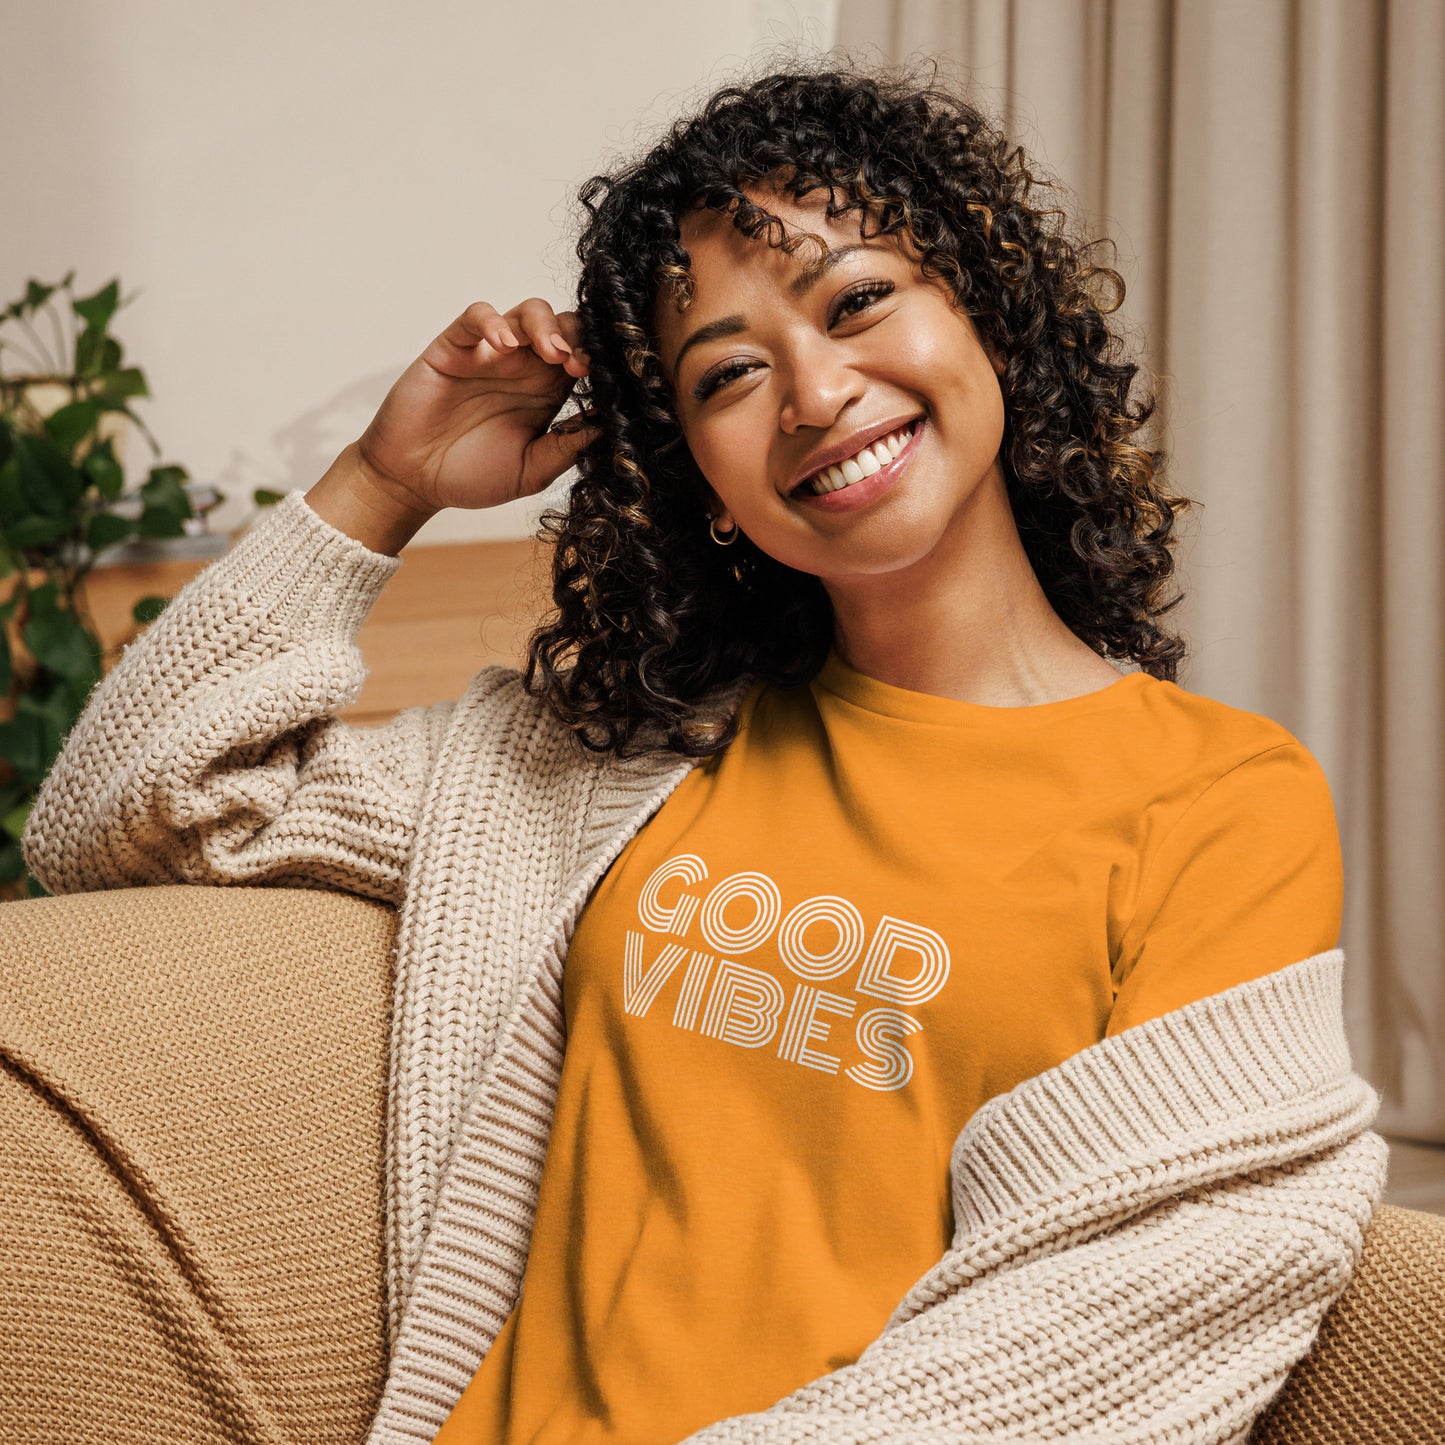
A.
pixel 778 367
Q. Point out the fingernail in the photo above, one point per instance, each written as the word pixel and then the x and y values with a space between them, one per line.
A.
pixel 508 337
pixel 559 343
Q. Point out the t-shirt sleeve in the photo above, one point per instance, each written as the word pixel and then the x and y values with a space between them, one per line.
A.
pixel 1249 880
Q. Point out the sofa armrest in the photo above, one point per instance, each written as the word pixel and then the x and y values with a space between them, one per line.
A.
pixel 1376 1371
pixel 192 1112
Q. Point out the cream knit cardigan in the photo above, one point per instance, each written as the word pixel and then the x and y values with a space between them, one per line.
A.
pixel 1147 1235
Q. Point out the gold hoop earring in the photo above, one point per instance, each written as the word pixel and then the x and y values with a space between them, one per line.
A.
pixel 726 539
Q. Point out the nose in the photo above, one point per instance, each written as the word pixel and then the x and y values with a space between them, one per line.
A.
pixel 820 382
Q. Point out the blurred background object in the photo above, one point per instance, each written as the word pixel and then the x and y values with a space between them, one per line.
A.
pixel 65 415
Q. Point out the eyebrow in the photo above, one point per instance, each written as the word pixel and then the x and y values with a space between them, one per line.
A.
pixel 731 325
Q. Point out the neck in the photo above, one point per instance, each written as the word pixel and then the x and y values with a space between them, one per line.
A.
pixel 969 620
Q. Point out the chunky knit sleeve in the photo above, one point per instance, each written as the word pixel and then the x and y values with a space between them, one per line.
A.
pixel 1148 1237
pixel 210 752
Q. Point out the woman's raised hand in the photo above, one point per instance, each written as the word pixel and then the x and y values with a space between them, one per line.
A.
pixel 467 423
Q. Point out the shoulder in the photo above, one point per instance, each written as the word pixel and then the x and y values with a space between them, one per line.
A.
pixel 1200 750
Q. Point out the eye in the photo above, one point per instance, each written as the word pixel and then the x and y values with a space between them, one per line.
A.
pixel 716 377
pixel 850 303
pixel 866 293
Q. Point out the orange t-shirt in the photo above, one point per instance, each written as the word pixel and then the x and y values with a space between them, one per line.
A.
pixel 874 912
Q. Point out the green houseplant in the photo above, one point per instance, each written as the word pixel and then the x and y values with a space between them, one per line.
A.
pixel 64 402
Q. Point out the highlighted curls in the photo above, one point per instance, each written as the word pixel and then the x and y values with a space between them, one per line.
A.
pixel 649 616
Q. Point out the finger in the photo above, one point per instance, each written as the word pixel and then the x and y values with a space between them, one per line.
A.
pixel 587 418
pixel 552 453
pixel 543 331
pixel 480 328
pixel 481 321
pixel 570 325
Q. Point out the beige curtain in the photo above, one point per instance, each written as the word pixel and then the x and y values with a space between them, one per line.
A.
pixel 1274 174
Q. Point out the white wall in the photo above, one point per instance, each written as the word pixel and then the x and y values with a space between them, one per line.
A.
pixel 300 196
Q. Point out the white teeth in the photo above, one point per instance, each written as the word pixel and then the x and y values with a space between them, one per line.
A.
pixel 871 459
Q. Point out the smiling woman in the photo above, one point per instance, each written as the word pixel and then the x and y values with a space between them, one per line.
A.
pixel 806 267
pixel 822 969
pixel 791 395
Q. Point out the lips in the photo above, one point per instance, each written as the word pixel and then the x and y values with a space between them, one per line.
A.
pixel 847 448
pixel 859 467
pixel 857 496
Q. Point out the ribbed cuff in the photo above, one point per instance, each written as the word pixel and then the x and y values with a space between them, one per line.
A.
pixel 322 580
pixel 1253 1047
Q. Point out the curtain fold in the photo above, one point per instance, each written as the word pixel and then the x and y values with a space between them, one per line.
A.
pixel 1273 174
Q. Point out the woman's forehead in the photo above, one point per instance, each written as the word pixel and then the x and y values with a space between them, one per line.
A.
pixel 720 255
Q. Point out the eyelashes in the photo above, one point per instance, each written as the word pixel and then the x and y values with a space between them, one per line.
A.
pixel 867 292
pixel 717 377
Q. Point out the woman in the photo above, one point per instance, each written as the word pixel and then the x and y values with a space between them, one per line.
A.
pixel 865 863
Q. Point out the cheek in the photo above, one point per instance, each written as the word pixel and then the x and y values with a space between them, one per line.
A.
pixel 729 456
pixel 964 383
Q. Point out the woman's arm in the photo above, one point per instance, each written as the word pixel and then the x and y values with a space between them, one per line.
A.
pixel 210 753
pixel 1149 1236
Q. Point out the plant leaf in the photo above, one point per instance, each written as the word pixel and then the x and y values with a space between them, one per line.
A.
pixel 11 794
pixel 12 494
pixel 22 745
pixel 129 381
pixel 262 497
pixel 44 597
pixel 34 530
pixel 97 310
pixel 7 668
pixel 102 468
pixel 89 352
pixel 71 422
pixel 148 609
pixel 105 529
pixel 167 506
pixel 14 821
pixel 36 295
pixel 165 483
pixel 60 642
pixel 51 484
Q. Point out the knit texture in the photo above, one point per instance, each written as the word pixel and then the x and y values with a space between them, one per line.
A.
pixel 1376 1372
pixel 1148 1235
pixel 191 1123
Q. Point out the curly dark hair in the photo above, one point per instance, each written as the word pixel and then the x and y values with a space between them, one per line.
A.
pixel 650 616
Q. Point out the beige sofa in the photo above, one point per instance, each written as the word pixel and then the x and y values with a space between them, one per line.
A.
pixel 191 1176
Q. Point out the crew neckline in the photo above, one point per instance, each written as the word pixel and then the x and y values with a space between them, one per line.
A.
pixel 868 693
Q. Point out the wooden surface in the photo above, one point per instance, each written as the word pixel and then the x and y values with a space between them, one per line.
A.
pixel 451 609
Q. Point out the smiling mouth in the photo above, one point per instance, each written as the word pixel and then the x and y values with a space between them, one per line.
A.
pixel 863 464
